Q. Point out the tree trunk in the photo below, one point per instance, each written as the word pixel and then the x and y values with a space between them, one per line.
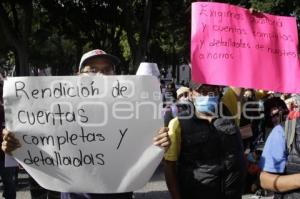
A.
pixel 22 66
pixel 141 52
pixel 16 30
pixel 138 48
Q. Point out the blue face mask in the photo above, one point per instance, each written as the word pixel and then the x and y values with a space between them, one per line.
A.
pixel 206 104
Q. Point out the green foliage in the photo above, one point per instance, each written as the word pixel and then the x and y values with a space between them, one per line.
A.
pixel 61 30
pixel 278 7
pixel 125 46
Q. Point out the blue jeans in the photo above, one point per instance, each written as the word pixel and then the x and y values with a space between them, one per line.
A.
pixel 8 176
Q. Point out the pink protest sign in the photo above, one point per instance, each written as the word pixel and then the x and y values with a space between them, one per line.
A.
pixel 231 46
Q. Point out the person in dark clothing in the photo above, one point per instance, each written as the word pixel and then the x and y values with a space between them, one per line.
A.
pixel 8 174
pixel 170 108
pixel 252 117
pixel 205 159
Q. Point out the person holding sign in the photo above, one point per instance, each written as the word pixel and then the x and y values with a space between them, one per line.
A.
pixel 8 174
pixel 205 158
pixel 95 62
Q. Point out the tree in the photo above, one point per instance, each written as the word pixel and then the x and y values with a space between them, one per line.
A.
pixel 170 34
pixel 135 21
pixel 279 7
pixel 85 24
pixel 55 33
pixel 15 24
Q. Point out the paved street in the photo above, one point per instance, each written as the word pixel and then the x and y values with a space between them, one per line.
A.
pixel 156 188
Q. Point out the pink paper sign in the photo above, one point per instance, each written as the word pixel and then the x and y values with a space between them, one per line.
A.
pixel 231 46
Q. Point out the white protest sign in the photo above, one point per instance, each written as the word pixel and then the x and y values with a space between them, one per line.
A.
pixel 86 134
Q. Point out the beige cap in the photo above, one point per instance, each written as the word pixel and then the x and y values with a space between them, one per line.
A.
pixel 182 90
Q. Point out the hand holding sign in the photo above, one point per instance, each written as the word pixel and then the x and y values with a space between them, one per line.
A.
pixel 80 129
pixel 9 143
pixel 162 139
pixel 231 46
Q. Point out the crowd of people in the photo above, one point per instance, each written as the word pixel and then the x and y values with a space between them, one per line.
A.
pixel 260 118
pixel 220 142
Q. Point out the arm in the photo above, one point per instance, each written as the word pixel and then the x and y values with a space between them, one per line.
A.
pixel 171 178
pixel 9 143
pixel 162 139
pixel 170 159
pixel 279 183
pixel 273 161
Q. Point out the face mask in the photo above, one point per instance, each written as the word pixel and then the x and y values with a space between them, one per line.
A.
pixel 206 104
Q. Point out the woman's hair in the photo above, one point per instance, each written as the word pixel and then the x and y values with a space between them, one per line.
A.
pixel 270 104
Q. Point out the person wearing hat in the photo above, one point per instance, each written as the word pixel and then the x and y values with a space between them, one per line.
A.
pixel 183 103
pixel 98 62
pixel 169 107
pixel 95 62
pixel 182 93
pixel 205 158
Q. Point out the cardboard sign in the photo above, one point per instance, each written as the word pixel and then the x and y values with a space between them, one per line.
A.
pixel 86 134
pixel 231 46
